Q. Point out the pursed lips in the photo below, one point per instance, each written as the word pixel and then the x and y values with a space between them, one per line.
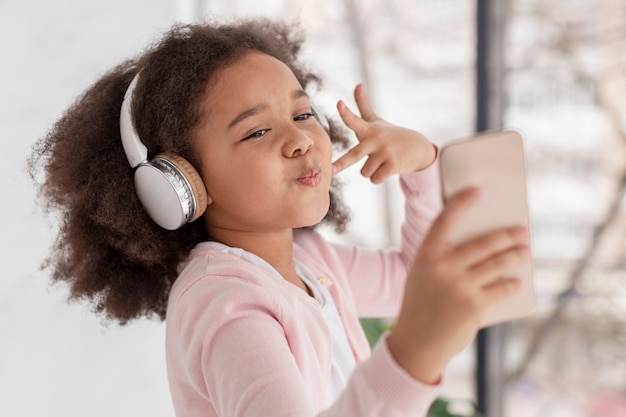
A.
pixel 311 176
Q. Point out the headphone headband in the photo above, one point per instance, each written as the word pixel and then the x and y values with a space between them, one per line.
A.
pixel 136 152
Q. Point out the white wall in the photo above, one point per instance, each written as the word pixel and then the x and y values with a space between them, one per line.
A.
pixel 57 360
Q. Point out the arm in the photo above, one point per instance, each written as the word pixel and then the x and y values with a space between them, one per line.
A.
pixel 448 289
pixel 265 380
pixel 228 351
pixel 253 355
pixel 377 277
pixel 380 387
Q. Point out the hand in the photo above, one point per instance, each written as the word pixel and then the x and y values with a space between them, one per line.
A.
pixel 390 149
pixel 449 289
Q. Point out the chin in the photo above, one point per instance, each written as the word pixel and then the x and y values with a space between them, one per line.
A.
pixel 314 218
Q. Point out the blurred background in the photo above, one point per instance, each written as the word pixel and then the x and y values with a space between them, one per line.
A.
pixel 555 70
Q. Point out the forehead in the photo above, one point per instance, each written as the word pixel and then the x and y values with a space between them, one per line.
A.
pixel 251 73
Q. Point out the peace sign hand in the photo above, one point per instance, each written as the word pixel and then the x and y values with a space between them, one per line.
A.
pixel 390 149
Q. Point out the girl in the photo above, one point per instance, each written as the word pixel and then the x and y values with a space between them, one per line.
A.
pixel 261 312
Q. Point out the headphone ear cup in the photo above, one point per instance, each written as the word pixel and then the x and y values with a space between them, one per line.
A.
pixel 170 190
pixel 193 178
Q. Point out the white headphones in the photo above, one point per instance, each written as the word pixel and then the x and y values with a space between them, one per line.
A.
pixel 168 186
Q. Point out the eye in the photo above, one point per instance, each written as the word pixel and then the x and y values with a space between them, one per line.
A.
pixel 303 116
pixel 257 134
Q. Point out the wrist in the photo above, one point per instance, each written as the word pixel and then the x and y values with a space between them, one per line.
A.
pixel 428 157
pixel 431 157
pixel 421 365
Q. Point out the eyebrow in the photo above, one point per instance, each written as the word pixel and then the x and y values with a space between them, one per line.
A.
pixel 258 108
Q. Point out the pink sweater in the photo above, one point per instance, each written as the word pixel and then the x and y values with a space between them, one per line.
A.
pixel 241 341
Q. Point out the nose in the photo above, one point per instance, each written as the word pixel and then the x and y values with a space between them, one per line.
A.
pixel 297 143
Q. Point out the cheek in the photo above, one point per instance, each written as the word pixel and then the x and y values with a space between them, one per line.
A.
pixel 328 153
pixel 250 175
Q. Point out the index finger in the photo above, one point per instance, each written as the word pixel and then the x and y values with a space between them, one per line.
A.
pixel 437 238
pixel 348 159
pixel 354 122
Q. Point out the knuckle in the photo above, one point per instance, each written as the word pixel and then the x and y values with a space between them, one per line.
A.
pixel 513 236
pixel 488 244
pixel 508 259
pixel 501 261
pixel 353 153
pixel 505 288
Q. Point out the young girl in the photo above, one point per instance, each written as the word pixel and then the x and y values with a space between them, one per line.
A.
pixel 214 123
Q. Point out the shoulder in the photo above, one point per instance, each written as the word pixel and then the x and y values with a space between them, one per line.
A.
pixel 206 264
pixel 213 282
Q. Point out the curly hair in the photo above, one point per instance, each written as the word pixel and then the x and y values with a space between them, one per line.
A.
pixel 107 249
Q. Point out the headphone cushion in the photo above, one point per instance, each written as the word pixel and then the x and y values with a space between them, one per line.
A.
pixel 193 178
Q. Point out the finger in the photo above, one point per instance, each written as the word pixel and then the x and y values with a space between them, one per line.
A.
pixel 382 173
pixel 483 247
pixel 499 265
pixel 372 164
pixel 350 158
pixel 354 122
pixel 437 238
pixel 500 290
pixel 377 169
pixel 364 104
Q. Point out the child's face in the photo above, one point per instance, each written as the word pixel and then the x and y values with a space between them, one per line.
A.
pixel 265 161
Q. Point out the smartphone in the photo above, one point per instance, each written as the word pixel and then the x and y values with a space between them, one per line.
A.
pixel 495 163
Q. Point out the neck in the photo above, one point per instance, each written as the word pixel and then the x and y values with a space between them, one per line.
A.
pixel 275 248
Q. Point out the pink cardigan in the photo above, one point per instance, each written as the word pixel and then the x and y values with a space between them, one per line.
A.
pixel 241 341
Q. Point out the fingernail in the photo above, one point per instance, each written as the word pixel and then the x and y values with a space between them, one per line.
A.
pixel 335 170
